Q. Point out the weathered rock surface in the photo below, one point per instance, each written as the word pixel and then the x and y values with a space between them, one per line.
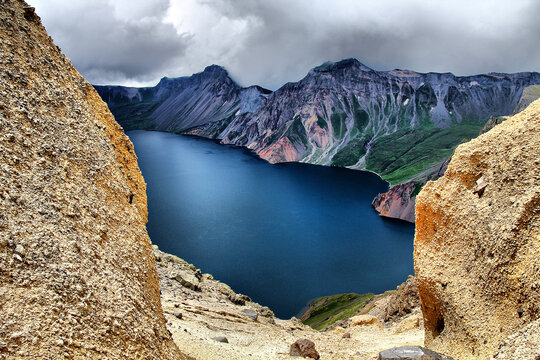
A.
pixel 476 255
pixel 411 353
pixel 397 203
pixel 408 323
pixel 523 345
pixel 365 320
pixel 77 272
pixel 404 301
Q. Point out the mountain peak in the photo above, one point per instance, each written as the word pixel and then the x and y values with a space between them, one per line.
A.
pixel 210 72
pixel 215 70
pixel 330 66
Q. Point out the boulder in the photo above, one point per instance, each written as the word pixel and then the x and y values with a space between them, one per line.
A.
pixel 412 322
pixel 411 353
pixel 252 314
pixel 304 348
pixel 477 241
pixel 188 280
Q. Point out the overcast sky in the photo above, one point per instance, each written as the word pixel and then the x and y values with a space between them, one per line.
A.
pixel 270 42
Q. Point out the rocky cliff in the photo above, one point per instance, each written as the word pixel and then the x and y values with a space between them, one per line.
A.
pixel 178 104
pixel 77 272
pixel 477 245
pixel 397 203
pixel 397 123
pixel 530 94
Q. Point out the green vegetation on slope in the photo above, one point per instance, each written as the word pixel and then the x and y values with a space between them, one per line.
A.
pixel 350 153
pixel 325 311
pixel 533 91
pixel 400 156
pixel 361 117
pixel 297 133
pixel 338 124
pixel 321 122
pixel 417 188
pixel 530 94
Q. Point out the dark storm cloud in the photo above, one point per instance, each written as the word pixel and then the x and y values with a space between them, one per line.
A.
pixel 111 43
pixel 417 37
pixel 272 42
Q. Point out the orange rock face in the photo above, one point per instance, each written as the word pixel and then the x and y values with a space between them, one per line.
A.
pixel 281 151
pixel 477 252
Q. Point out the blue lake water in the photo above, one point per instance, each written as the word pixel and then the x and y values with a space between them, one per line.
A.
pixel 283 234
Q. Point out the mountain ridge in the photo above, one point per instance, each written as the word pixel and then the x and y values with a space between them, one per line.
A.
pixel 400 124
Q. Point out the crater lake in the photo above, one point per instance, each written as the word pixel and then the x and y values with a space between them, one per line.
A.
pixel 282 234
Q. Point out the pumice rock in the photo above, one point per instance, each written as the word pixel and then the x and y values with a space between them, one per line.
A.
pixel 476 258
pixel 78 277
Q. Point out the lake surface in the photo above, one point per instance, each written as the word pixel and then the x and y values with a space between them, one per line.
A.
pixel 283 234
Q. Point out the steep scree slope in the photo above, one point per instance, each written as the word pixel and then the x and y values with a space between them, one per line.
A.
pixel 477 247
pixel 77 273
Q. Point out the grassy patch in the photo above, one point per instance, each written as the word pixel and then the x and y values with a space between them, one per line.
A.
pixel 399 156
pixel 350 153
pixel 361 117
pixel 347 105
pixel 417 188
pixel 325 311
pixel 533 91
pixel 296 132
pixel 338 124
pixel 321 122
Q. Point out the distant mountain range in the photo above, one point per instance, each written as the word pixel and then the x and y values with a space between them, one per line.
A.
pixel 339 114
pixel 400 124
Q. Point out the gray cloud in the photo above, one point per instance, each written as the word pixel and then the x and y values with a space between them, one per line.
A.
pixel 500 37
pixel 112 43
pixel 272 42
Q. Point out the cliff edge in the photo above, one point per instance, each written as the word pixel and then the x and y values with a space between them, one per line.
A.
pixel 477 246
pixel 77 273
pixel 397 202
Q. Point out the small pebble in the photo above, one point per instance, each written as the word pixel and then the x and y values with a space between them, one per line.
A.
pixel 221 339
